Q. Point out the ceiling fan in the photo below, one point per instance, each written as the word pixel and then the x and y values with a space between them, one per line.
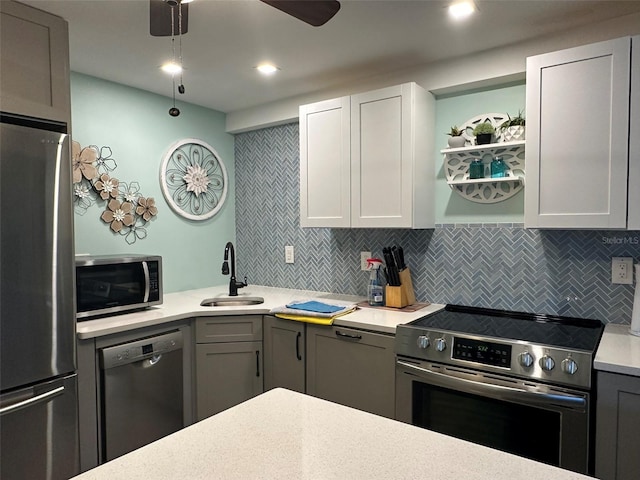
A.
pixel 313 12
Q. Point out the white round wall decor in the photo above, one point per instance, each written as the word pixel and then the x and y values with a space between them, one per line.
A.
pixel 193 179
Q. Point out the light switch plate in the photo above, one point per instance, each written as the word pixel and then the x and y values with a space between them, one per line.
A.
pixel 288 254
pixel 622 270
pixel 364 256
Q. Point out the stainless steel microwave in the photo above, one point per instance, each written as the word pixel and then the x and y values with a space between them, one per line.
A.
pixel 111 284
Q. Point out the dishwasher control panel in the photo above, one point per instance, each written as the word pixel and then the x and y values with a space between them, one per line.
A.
pixel 140 349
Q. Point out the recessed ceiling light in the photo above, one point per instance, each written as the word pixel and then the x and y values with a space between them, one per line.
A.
pixel 267 68
pixel 171 68
pixel 460 10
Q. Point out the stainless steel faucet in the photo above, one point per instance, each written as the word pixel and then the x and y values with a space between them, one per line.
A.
pixel 233 284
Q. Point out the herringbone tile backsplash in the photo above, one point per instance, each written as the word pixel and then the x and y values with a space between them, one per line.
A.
pixel 499 266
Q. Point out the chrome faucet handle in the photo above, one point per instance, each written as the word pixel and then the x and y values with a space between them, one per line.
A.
pixel 245 281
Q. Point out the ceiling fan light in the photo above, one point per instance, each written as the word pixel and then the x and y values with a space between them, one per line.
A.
pixel 460 10
pixel 267 68
pixel 171 68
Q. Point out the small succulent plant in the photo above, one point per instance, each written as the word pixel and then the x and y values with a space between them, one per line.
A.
pixel 455 131
pixel 517 121
pixel 483 128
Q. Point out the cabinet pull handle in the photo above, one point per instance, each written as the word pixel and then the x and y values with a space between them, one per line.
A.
pixel 298 356
pixel 346 335
pixel 257 363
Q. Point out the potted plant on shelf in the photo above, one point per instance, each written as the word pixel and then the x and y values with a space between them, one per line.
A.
pixel 484 133
pixel 456 140
pixel 513 129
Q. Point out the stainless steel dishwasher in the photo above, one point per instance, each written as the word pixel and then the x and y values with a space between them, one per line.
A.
pixel 142 392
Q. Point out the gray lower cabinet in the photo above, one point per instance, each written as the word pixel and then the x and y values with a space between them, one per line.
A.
pixel 617 427
pixel 284 354
pixel 352 367
pixel 229 364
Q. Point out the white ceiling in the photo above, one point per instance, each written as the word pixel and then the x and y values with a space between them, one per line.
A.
pixel 110 39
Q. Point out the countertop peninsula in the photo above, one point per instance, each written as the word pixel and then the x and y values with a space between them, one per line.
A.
pixel 181 305
pixel 287 435
pixel 619 351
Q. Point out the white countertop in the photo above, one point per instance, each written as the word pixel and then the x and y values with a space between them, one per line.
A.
pixel 619 351
pixel 286 435
pixel 181 305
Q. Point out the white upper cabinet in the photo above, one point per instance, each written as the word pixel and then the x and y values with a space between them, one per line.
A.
pixel 34 63
pixel 366 160
pixel 577 152
pixel 325 164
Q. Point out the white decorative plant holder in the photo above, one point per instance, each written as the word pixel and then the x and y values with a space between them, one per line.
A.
pixel 485 190
pixel 457 142
pixel 513 134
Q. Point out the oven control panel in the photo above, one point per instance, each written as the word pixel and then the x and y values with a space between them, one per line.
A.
pixel 488 353
pixel 522 359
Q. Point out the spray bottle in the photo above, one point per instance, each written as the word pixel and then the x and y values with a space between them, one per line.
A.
pixel 375 291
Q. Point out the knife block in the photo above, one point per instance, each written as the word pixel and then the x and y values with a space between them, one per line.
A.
pixel 403 295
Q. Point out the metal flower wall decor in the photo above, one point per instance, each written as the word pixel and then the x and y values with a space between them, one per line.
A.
pixel 127 211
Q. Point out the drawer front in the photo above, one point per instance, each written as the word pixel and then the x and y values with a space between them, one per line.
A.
pixel 233 328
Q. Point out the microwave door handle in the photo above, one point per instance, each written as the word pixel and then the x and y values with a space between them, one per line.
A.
pixel 145 269
pixel 500 392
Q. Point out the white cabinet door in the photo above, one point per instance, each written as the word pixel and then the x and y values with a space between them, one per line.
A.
pixel 34 54
pixel 577 137
pixel 392 172
pixel 325 164
pixel 366 160
pixel 633 220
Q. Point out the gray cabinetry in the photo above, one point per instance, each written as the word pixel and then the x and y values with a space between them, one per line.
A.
pixel 352 367
pixel 228 362
pixel 284 354
pixel 34 60
pixel 617 427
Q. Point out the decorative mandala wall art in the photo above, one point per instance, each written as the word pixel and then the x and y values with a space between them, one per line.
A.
pixel 193 179
pixel 127 212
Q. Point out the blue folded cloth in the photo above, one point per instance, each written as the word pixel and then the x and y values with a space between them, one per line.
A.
pixel 313 306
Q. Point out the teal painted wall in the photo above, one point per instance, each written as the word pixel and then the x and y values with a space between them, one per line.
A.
pixel 456 110
pixel 136 126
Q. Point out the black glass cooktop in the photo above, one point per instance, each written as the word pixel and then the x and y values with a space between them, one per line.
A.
pixel 566 332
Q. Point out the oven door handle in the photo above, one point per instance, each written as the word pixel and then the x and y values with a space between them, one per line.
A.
pixel 500 392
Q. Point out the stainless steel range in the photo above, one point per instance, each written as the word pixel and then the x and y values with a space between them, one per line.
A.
pixel 521 383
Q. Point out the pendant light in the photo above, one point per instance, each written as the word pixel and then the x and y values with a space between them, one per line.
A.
pixel 177 65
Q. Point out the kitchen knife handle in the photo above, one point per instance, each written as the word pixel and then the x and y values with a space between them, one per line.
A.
pixel 401 255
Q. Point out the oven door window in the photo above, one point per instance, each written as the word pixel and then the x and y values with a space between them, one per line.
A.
pixel 523 430
pixel 106 286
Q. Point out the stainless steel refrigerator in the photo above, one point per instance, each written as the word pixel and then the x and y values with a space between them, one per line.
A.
pixel 38 398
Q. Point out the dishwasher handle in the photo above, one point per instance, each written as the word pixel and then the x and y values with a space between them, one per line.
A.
pixel 143 349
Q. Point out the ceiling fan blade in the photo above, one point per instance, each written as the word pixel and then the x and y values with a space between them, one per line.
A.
pixel 160 18
pixel 313 12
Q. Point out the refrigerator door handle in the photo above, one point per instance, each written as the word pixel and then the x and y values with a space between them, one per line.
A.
pixel 43 397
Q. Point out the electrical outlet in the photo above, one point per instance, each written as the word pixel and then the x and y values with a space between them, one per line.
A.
pixel 622 270
pixel 288 254
pixel 363 260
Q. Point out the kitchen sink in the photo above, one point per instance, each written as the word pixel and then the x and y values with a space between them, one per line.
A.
pixel 231 301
